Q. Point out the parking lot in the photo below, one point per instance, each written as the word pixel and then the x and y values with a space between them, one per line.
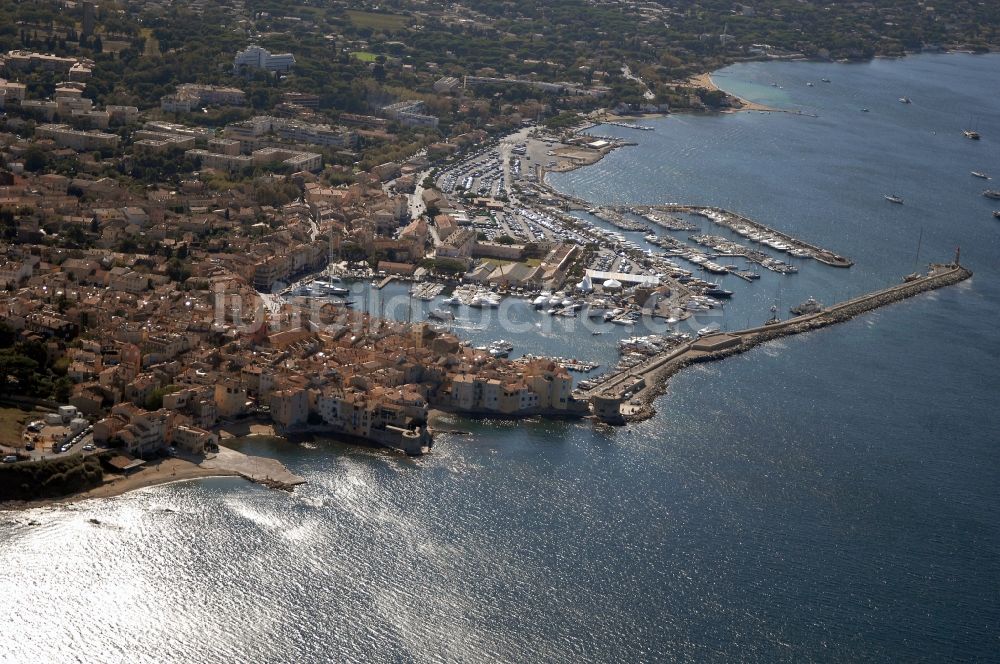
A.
pixel 42 441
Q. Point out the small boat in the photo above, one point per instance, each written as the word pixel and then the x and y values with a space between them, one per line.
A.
pixel 971 134
pixel 825 80
pixel 441 315
pixel 905 100
pixel 718 292
pixel 709 329
pixel 892 198
pixel 992 193
pixel 338 290
pixel 809 84
pixel 977 174
pixel 864 110
pixel 501 348
pixel 452 301
pixel 996 214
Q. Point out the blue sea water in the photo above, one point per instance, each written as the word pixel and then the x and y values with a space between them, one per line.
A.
pixel 828 497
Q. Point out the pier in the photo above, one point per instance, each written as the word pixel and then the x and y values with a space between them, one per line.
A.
pixel 627 125
pixel 628 395
pixel 615 218
pixel 758 232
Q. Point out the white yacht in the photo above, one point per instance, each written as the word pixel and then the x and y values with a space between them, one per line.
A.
pixel 709 329
pixel 441 315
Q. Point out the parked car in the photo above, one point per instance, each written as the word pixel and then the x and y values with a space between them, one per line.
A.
pixel 10 458
pixel 30 445
pixel 89 447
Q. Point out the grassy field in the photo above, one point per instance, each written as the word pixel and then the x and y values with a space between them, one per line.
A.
pixel 12 421
pixel 376 21
pixel 364 56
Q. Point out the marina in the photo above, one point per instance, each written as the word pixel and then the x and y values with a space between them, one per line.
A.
pixel 627 395
pixel 759 233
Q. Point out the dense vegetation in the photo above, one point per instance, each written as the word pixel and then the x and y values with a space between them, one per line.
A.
pixel 27 370
pixel 357 59
pixel 359 56
pixel 50 478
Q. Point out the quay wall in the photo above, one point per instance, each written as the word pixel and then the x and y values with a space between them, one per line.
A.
pixel 658 373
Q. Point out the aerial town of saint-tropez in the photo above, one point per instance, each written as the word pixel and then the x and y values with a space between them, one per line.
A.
pixel 211 267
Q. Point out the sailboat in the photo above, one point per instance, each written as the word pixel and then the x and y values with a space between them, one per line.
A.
pixel 913 276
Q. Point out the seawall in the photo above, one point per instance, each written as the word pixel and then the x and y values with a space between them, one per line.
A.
pixel 657 371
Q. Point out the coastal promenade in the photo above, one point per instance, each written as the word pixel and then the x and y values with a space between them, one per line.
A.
pixel 628 395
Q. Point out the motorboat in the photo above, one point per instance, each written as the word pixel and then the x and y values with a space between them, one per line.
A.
pixel 810 306
pixel 709 329
pixel 441 315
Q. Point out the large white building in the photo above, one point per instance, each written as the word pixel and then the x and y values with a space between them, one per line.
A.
pixel 408 113
pixel 189 96
pixel 260 130
pixel 255 57
pixel 81 141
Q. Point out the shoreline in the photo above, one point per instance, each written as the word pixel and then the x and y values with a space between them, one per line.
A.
pixel 706 81
pixel 167 471
pixel 226 463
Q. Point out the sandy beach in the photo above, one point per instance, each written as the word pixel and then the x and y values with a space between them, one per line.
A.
pixel 226 463
pixel 705 81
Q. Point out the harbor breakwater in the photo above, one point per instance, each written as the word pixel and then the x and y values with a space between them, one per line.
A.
pixel 655 373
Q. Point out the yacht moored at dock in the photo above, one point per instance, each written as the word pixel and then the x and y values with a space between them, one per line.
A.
pixel 810 306
pixel 441 314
